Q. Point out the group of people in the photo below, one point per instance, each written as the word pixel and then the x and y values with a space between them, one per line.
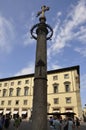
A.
pixel 5 121
pixel 57 123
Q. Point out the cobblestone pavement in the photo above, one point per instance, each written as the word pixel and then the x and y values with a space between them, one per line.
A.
pixel 25 125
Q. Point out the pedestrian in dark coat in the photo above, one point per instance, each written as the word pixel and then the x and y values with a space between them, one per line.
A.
pixel 77 122
pixel 7 122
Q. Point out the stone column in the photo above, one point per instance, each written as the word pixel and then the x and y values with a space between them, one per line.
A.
pixel 39 113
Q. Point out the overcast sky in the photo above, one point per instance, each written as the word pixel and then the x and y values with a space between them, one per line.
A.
pixel 67 47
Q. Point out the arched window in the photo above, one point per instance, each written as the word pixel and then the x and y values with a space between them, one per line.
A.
pixel 26 91
pixel 18 91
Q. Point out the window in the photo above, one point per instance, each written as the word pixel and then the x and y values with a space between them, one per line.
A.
pixel 55 88
pixel 69 109
pixel 12 83
pixel 19 82
pixel 18 91
pixel 10 91
pixel 9 102
pixel 25 102
pixel 0 84
pixel 26 81
pixel 17 102
pixel 26 91
pixel 2 102
pixel 55 77
pixel 56 100
pixel 68 99
pixel 66 76
pixel 56 109
pixel 67 88
pixel 5 84
pixel 4 92
pixel 77 79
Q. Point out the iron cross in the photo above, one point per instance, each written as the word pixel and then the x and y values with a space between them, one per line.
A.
pixel 42 12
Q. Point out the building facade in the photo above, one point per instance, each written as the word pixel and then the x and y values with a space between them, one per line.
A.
pixel 63 92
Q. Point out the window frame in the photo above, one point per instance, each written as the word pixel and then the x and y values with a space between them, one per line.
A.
pixel 66 76
pixel 9 102
pixel 17 102
pixel 55 88
pixel 67 87
pixel 55 77
pixel 27 81
pixel 10 92
pixel 26 88
pixel 56 100
pixel 19 82
pixel 25 102
pixel 5 84
pixel 4 93
pixel 68 98
pixel 2 102
pixel 18 91
pixel 12 83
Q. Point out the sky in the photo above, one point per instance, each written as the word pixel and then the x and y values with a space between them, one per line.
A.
pixel 67 47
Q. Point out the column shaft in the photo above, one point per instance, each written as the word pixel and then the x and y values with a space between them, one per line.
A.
pixel 39 114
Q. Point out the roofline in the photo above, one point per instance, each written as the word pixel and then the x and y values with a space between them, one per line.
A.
pixel 48 72
pixel 65 69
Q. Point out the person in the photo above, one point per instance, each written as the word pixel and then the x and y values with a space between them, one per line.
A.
pixel 56 123
pixel 7 122
pixel 3 120
pixel 17 122
pixel 68 124
pixel 1 126
pixel 51 122
pixel 65 123
pixel 77 122
pixel 71 124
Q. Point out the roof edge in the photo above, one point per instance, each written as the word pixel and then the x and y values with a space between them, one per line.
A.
pixel 48 72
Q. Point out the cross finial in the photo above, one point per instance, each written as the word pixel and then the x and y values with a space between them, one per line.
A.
pixel 42 12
